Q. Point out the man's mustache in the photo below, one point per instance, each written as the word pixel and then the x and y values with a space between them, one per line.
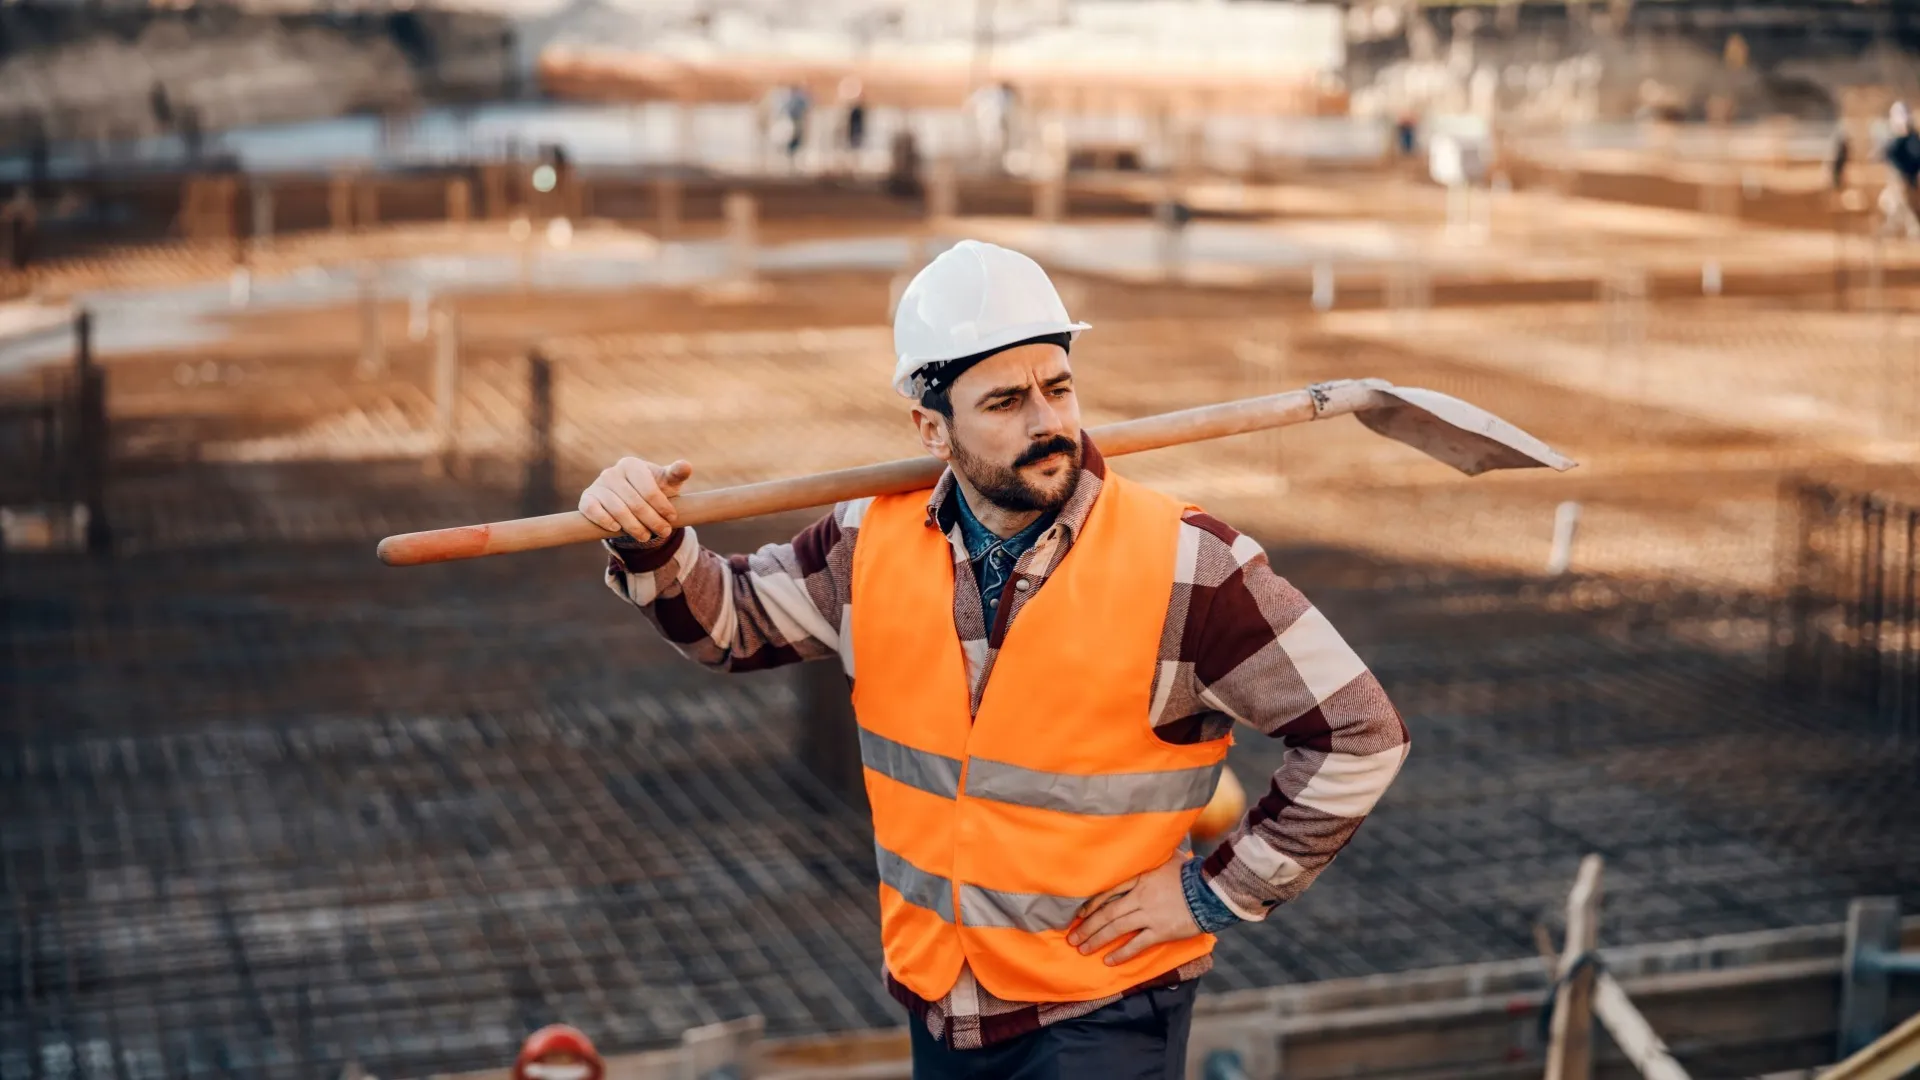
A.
pixel 1059 444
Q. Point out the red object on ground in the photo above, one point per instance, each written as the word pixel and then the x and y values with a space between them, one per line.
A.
pixel 556 1039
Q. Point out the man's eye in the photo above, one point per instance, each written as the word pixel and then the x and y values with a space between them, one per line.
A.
pixel 1061 391
pixel 1002 405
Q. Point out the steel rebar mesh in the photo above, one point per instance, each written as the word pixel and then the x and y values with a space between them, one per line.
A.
pixel 269 808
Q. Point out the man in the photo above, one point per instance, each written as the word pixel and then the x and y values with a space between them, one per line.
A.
pixel 854 99
pixel 797 103
pixel 1839 155
pixel 995 109
pixel 1902 155
pixel 1047 661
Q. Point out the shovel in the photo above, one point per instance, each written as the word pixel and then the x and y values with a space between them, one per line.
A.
pixel 1447 429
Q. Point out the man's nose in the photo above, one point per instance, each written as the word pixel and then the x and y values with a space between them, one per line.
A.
pixel 1043 419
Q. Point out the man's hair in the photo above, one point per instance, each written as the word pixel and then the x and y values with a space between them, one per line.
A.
pixel 939 399
pixel 938 394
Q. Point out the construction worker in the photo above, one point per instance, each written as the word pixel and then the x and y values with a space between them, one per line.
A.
pixel 995 109
pixel 1839 154
pixel 853 99
pixel 1047 661
pixel 1900 199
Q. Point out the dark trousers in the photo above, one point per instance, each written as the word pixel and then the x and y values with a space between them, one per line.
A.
pixel 1142 1036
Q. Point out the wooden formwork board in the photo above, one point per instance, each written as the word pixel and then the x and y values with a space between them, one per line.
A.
pixel 608 75
pixel 1737 1001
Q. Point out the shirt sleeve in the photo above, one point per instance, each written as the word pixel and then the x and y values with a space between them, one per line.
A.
pixel 1265 656
pixel 1210 913
pixel 739 613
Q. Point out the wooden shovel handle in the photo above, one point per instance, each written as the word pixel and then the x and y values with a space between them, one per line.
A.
pixel 693 508
pixel 887 478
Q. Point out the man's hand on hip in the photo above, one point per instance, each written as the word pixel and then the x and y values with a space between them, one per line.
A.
pixel 635 497
pixel 1152 907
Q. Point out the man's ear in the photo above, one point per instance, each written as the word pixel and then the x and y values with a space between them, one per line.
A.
pixel 933 431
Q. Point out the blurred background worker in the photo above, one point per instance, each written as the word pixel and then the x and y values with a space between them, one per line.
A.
pixel 1405 135
pixel 1045 917
pixel 788 107
pixel 853 101
pixel 1839 154
pixel 1902 155
pixel 995 110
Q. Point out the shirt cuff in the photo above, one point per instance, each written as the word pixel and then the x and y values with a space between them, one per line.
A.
pixel 644 558
pixel 1209 911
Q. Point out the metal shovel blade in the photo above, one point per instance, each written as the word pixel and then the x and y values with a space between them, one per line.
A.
pixel 1464 436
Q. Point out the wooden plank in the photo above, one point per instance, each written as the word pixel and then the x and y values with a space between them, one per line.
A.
pixel 1492 1037
pixel 1733 994
pixel 1720 953
pixel 1890 1057
pixel 1570 1047
pixel 1622 1019
pixel 1873 927
pixel 1631 1032
pixel 1698 1009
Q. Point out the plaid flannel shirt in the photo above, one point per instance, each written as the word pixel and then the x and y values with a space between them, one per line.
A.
pixel 1239 644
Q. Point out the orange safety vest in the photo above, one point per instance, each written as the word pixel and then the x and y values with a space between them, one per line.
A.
pixel 992 830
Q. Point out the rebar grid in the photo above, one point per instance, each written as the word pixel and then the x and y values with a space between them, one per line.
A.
pixel 267 809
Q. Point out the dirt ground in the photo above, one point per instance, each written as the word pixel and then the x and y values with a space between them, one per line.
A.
pixel 1684 413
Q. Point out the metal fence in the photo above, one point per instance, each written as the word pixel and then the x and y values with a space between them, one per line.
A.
pixel 54 439
pixel 1851 627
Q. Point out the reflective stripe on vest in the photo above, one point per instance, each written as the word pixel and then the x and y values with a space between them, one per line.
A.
pixel 979 907
pixel 935 774
pixel 915 886
pixel 1107 794
pixel 991 829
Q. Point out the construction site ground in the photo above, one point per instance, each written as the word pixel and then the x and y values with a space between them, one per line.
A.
pixel 266 804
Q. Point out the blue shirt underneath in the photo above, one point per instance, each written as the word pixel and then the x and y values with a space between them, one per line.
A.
pixel 992 557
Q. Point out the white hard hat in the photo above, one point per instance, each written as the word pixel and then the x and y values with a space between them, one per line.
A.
pixel 974 298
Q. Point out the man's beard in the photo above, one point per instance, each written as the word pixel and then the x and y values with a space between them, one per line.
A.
pixel 1006 488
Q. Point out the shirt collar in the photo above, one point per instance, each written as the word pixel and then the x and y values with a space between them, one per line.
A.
pixel 943 511
pixel 979 540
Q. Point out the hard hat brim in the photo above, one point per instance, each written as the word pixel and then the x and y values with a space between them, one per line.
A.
pixel 911 366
